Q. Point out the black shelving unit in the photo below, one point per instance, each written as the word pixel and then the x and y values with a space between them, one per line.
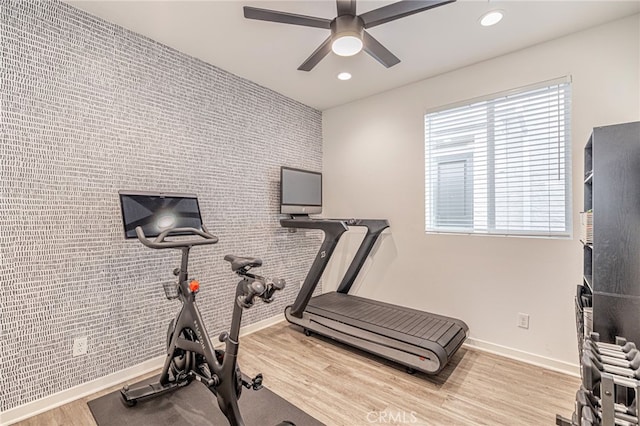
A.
pixel 611 267
pixel 613 192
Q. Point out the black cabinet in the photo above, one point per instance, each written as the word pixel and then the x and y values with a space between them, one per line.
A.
pixel 612 262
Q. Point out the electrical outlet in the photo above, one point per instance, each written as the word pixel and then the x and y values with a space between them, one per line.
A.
pixel 523 320
pixel 80 346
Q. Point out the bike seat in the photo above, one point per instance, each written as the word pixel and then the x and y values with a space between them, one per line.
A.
pixel 239 262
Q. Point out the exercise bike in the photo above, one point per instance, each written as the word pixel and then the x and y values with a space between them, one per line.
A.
pixel 190 352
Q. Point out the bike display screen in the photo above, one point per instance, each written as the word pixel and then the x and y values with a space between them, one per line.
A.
pixel 156 212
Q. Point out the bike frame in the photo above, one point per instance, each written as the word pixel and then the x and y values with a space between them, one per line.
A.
pixel 222 374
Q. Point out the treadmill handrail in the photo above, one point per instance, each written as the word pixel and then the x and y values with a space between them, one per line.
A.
pixel 333 230
pixel 374 229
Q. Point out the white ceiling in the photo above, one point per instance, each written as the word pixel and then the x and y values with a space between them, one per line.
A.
pixel 428 43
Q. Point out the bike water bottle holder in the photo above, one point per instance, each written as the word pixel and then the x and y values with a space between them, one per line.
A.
pixel 170 289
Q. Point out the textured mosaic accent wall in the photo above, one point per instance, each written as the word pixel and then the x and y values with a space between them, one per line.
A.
pixel 89 108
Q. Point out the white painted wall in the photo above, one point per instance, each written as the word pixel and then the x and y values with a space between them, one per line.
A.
pixel 374 168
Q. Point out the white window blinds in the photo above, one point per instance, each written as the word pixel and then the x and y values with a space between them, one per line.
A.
pixel 501 165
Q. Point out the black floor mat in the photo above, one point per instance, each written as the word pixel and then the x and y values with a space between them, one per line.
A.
pixel 194 405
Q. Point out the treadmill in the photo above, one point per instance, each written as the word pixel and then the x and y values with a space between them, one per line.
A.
pixel 418 340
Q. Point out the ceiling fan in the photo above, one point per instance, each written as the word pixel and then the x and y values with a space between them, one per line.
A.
pixel 348 35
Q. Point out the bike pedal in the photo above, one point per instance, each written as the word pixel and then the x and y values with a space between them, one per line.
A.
pixel 205 380
pixel 256 382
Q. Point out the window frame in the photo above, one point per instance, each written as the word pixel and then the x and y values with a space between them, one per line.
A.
pixel 491 230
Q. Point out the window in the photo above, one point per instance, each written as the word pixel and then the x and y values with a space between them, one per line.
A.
pixel 501 165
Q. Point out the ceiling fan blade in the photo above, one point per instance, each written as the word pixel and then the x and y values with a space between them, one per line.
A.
pixel 378 51
pixel 285 17
pixel 316 56
pixel 346 7
pixel 399 10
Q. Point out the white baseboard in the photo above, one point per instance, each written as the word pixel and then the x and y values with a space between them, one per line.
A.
pixel 47 403
pixel 529 358
pixel 257 326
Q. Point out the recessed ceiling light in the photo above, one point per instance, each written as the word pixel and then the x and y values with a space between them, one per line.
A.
pixel 491 18
pixel 344 76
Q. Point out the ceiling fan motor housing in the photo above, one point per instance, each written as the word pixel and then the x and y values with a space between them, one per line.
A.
pixel 347 25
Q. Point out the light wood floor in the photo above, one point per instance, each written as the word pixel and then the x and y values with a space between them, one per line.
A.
pixel 343 386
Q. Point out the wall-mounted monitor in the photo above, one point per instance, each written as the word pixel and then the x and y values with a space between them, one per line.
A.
pixel 300 191
pixel 156 212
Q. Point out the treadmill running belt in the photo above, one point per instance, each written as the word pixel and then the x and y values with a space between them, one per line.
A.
pixel 403 324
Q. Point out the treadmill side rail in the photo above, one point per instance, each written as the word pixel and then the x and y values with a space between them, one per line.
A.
pixel 417 358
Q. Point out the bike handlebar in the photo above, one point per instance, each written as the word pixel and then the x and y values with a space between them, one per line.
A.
pixel 160 243
pixel 261 287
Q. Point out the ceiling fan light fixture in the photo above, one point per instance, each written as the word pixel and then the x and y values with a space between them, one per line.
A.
pixel 346 45
pixel 348 35
pixel 491 18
